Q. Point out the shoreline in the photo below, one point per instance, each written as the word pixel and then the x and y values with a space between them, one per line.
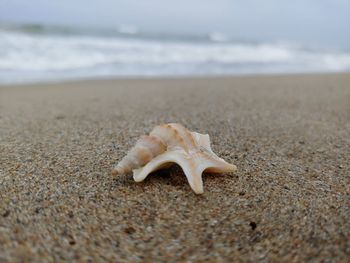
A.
pixel 170 78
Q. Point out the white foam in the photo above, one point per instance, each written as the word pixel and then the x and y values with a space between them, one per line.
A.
pixel 24 56
pixel 128 29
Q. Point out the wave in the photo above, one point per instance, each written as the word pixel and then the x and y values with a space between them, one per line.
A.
pixel 123 31
pixel 28 54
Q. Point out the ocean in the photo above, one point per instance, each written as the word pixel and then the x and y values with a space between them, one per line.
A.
pixel 36 53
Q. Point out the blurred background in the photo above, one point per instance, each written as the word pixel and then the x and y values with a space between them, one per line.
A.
pixel 43 40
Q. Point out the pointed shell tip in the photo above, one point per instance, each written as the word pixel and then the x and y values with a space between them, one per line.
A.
pixel 234 168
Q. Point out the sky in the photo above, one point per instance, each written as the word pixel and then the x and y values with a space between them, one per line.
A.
pixel 323 23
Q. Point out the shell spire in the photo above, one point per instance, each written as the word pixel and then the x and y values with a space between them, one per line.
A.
pixel 173 143
pixel 146 148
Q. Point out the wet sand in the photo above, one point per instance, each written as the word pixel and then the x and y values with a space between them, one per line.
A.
pixel 289 201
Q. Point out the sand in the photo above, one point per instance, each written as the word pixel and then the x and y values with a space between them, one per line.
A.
pixel 289 201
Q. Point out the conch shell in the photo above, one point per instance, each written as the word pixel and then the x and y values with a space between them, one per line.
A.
pixel 173 143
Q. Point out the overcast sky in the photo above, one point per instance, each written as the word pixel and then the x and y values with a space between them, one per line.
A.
pixel 314 22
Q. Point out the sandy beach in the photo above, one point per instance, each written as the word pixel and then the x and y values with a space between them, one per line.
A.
pixel 289 201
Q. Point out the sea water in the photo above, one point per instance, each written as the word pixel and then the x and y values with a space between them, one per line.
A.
pixel 36 53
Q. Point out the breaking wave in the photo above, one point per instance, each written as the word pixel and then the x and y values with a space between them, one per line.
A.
pixel 35 53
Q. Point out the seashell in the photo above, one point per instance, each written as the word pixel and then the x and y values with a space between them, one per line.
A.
pixel 173 143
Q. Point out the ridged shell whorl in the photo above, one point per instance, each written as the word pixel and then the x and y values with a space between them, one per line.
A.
pixel 174 135
pixel 162 138
pixel 146 148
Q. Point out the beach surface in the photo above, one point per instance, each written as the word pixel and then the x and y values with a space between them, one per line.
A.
pixel 289 201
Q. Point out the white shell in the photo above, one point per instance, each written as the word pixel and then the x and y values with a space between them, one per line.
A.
pixel 190 150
